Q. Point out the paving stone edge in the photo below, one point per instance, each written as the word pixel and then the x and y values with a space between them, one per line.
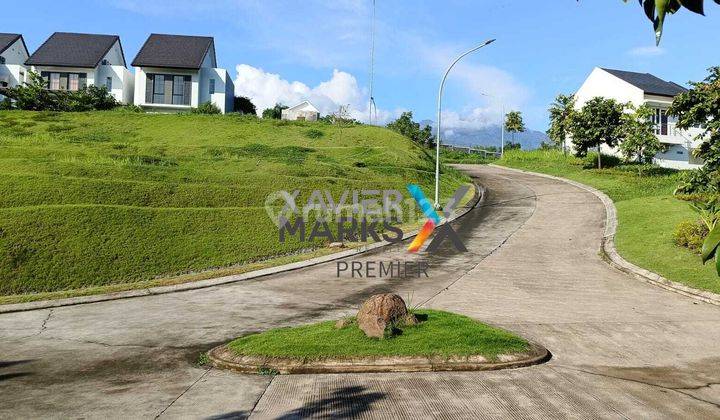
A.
pixel 223 358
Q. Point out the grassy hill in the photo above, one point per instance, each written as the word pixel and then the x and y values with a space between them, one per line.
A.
pixel 103 198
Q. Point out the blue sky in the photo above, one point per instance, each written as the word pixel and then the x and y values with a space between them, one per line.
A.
pixel 291 50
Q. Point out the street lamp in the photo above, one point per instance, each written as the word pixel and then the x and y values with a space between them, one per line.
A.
pixel 439 119
pixel 502 123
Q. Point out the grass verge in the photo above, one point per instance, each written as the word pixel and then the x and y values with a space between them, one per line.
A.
pixel 443 334
pixel 647 212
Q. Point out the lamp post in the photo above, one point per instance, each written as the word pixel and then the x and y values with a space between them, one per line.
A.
pixel 502 123
pixel 439 119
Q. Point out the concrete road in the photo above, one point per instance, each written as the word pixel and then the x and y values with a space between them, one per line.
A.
pixel 621 348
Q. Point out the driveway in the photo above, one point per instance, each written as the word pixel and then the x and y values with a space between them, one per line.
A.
pixel 621 348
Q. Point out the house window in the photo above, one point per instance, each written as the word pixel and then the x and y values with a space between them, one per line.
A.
pixel 168 89
pixel 108 83
pixel 22 77
pixel 2 60
pixel 159 89
pixel 212 86
pixel 54 81
pixel 73 82
pixel 660 120
pixel 65 81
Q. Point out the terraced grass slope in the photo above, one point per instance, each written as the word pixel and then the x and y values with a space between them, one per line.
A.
pixel 103 198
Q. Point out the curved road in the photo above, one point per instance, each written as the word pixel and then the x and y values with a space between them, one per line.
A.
pixel 621 348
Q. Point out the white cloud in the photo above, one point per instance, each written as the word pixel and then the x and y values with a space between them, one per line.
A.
pixel 651 51
pixel 342 89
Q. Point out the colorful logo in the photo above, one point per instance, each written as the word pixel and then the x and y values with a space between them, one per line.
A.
pixel 433 221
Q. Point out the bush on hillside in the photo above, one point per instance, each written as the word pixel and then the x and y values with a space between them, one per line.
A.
pixel 206 108
pixel 314 133
pixel 590 161
pixel 690 234
pixel 244 105
pixel 34 96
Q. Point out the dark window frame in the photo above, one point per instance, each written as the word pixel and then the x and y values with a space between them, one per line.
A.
pixel 64 76
pixel 178 92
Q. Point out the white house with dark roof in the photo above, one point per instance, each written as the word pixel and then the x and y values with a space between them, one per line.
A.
pixel 179 72
pixel 13 54
pixel 72 61
pixel 645 89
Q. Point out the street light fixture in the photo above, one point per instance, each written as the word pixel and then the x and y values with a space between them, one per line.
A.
pixel 439 119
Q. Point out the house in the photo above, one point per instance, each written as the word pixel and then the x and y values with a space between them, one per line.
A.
pixel 178 72
pixel 302 111
pixel 13 54
pixel 72 61
pixel 645 89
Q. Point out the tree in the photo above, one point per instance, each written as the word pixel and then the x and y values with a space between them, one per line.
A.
pixel 598 122
pixel 244 105
pixel 638 135
pixel 658 10
pixel 560 115
pixel 274 113
pixel 700 107
pixel 410 129
pixel 514 123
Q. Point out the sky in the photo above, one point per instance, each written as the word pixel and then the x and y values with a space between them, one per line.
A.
pixel 291 50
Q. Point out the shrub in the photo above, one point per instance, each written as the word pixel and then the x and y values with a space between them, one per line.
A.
pixel 690 234
pixel 131 108
pixel 206 108
pixel 314 133
pixel 274 113
pixel 244 105
pixel 33 96
pixel 608 161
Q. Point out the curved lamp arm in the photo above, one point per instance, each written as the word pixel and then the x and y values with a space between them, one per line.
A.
pixel 439 118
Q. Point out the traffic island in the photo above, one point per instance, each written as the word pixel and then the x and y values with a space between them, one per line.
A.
pixel 425 341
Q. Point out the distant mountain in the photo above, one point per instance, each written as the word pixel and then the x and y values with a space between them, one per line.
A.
pixel 489 136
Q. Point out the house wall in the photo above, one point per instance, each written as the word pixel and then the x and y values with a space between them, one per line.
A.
pixel 14 71
pixel 123 82
pixel 224 88
pixel 677 156
pixel 304 111
pixel 603 84
pixel 15 54
pixel 141 82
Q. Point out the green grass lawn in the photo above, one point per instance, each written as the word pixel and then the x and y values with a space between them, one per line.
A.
pixel 647 213
pixel 442 334
pixel 107 198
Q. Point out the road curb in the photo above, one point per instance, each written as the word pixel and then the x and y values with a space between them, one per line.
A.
pixel 612 257
pixel 223 358
pixel 476 201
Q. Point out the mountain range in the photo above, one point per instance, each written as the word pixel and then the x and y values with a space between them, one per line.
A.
pixel 488 136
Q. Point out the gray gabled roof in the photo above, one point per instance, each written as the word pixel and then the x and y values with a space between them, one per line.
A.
pixel 174 51
pixel 6 40
pixel 650 84
pixel 64 49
